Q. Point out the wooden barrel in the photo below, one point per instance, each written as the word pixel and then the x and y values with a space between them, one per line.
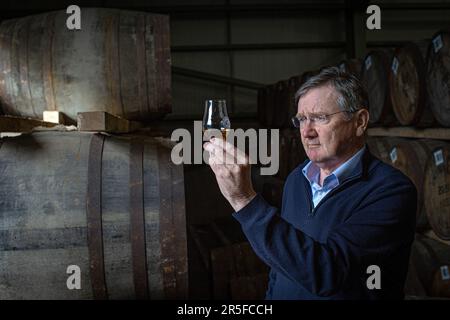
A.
pixel 294 84
pixel 233 259
pixel 118 62
pixel 114 207
pixel 380 147
pixel 375 73
pixel 234 268
pixel 438 77
pixel 251 287
pixel 413 285
pixel 407 85
pixel 291 152
pixel 437 191
pixel 352 66
pixel 411 157
pixel 284 153
pixel 270 105
pixel 282 105
pixel 431 260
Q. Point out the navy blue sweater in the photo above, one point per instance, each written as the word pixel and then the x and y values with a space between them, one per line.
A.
pixel 324 253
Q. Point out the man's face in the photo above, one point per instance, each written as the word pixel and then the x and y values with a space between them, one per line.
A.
pixel 330 143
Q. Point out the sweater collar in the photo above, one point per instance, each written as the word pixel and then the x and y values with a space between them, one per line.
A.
pixel 359 169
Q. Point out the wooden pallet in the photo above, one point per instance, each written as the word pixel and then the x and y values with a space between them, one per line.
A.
pixel 21 124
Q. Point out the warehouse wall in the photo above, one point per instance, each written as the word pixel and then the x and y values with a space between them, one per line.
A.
pixel 263 66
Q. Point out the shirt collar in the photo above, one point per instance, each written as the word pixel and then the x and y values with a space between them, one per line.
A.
pixel 311 170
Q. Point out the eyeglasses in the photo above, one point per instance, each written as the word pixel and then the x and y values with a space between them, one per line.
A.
pixel 320 119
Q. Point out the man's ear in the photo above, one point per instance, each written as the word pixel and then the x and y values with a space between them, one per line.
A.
pixel 362 121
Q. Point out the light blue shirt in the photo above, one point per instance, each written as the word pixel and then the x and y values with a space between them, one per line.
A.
pixel 312 174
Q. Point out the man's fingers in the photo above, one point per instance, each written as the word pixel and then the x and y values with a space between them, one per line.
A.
pixel 218 154
pixel 233 155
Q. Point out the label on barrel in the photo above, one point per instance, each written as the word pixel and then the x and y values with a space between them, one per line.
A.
pixel 438 157
pixel 437 43
pixel 393 155
pixel 394 66
pixel 368 62
pixel 445 275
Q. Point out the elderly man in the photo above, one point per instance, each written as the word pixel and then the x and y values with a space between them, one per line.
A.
pixel 347 219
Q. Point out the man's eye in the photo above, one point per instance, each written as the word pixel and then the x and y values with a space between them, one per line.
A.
pixel 321 118
pixel 302 119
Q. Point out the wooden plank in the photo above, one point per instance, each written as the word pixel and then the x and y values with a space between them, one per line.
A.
pixel 105 122
pixel 19 124
pixel 57 117
pixel 411 132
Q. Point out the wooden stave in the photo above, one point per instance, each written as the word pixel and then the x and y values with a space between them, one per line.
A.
pixel 352 66
pixel 380 107
pixel 437 71
pixel 436 187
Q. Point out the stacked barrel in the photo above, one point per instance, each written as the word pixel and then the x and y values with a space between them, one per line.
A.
pixel 107 209
pixel 408 85
pixel 276 107
pixel 426 163
pixel 412 89
pixel 118 62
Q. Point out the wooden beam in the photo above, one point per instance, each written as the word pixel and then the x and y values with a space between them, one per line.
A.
pixel 57 117
pixel 19 124
pixel 355 29
pixel 359 36
pixel 411 132
pixel 105 122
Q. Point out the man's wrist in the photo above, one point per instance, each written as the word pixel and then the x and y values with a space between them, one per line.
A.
pixel 241 202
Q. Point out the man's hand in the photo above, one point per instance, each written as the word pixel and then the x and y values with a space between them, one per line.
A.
pixel 232 169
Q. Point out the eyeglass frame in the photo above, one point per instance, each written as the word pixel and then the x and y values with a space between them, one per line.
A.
pixel 296 121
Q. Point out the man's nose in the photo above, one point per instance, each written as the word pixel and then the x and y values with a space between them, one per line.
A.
pixel 307 130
